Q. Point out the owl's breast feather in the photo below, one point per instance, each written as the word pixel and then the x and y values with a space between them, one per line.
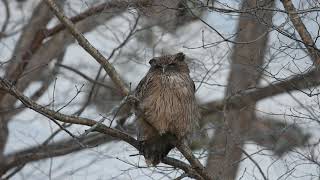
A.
pixel 169 104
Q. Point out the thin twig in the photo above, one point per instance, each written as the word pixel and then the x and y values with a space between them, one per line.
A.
pixel 89 48
pixel 6 21
pixel 86 77
pixel 195 163
pixel 6 86
pixel 314 52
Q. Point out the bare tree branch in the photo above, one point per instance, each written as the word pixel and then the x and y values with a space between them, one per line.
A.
pixel 195 163
pixel 7 87
pixel 245 73
pixel 89 48
pixel 6 21
pixel 314 52
pixel 87 77
pixel 297 83
pixel 112 7
pixel 53 150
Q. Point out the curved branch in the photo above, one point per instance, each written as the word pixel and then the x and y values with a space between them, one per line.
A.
pixel 86 77
pixel 89 48
pixel 6 21
pixel 314 52
pixel 298 82
pixel 111 5
pixel 6 86
pixel 195 163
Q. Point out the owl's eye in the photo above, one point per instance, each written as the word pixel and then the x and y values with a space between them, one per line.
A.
pixel 172 64
pixel 180 56
pixel 157 66
pixel 152 62
pixel 172 67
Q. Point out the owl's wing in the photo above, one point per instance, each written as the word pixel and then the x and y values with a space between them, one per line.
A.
pixel 194 86
pixel 145 129
pixel 142 87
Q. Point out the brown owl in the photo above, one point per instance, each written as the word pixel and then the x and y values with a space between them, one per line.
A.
pixel 166 110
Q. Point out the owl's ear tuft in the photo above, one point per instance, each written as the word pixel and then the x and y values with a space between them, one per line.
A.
pixel 152 62
pixel 179 56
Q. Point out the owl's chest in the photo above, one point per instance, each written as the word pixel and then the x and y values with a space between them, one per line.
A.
pixel 174 85
pixel 168 100
pixel 169 89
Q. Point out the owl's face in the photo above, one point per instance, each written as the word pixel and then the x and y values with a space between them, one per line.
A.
pixel 169 64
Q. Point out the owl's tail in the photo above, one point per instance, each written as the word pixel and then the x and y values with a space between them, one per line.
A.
pixel 157 148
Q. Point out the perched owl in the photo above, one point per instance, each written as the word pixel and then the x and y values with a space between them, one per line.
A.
pixel 166 110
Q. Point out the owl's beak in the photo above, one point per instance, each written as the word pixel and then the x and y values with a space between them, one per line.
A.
pixel 164 68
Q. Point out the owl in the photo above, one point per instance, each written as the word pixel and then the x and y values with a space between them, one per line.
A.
pixel 166 108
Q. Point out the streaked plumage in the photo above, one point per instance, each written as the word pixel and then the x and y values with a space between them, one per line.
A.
pixel 167 108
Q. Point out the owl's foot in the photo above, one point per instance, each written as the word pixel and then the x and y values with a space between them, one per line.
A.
pixel 156 148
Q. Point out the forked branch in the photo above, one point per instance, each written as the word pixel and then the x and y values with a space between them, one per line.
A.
pixel 89 48
pixel 195 170
pixel 314 52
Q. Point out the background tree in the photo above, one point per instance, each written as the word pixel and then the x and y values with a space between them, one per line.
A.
pixel 270 100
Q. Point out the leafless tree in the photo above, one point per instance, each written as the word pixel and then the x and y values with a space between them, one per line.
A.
pixel 68 69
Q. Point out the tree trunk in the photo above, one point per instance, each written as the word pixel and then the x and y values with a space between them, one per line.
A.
pixel 21 54
pixel 247 58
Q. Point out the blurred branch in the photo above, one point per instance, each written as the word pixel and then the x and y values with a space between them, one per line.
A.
pixel 19 61
pixel 64 147
pixel 36 62
pixel 45 83
pixel 238 114
pixel 90 95
pixel 36 38
pixel 26 43
pixel 6 21
pixel 93 81
pixel 111 7
pixel 55 149
pixel 247 97
pixel 48 51
pixel 269 133
pixel 44 33
pixel 7 87
pixel 274 134
pixel 89 48
pixel 277 135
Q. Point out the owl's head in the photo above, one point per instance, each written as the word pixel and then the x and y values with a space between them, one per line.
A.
pixel 169 63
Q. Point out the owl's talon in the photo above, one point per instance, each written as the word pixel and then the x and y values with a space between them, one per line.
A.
pixel 165 107
pixel 132 99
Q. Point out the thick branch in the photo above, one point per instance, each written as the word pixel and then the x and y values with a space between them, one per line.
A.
pixel 6 21
pixel 110 6
pixel 87 77
pixel 302 30
pixel 298 82
pixel 195 163
pixel 277 135
pixel 89 48
pixel 246 59
pixel 273 134
pixel 27 42
pixel 53 150
pixel 185 167
pixel 7 87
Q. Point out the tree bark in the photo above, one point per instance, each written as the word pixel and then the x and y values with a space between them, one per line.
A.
pixel 225 148
pixel 21 55
pixel 36 60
